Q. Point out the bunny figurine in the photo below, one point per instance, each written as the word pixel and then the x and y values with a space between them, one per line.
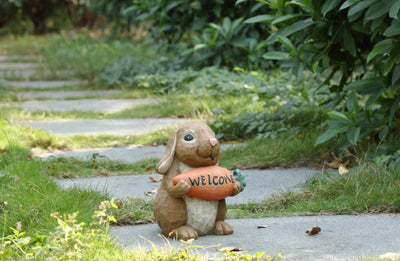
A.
pixel 190 146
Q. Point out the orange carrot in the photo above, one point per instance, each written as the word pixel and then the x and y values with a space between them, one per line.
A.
pixel 210 183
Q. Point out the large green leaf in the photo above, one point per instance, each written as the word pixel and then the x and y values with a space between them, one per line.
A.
pixel 285 18
pixel 396 74
pixel 360 6
pixel 286 42
pixel 393 29
pixel 378 9
pixel 379 48
pixel 329 134
pixel 259 19
pixel 239 2
pixel 338 115
pixel 360 84
pixel 353 135
pixel 291 29
pixel 393 58
pixel 346 4
pixel 329 5
pixel 394 10
pixel 276 56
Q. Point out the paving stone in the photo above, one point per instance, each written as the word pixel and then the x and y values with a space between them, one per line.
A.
pixel 121 127
pixel 66 94
pixel 260 184
pixel 90 105
pixel 17 66
pixel 18 74
pixel 342 237
pixel 5 58
pixel 43 84
pixel 129 154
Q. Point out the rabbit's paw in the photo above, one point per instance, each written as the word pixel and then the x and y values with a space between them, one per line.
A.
pixel 179 190
pixel 222 228
pixel 184 233
pixel 236 188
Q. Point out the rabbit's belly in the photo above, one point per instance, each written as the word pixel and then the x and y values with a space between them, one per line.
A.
pixel 201 214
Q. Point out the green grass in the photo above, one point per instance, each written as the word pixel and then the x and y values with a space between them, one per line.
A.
pixel 40 140
pixel 69 167
pixel 31 196
pixel 368 189
pixel 22 45
pixel 284 151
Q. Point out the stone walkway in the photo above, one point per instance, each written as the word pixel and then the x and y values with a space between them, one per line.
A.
pixel 342 237
pixel 119 127
pixel 86 105
pixel 260 184
pixel 66 94
pixel 43 84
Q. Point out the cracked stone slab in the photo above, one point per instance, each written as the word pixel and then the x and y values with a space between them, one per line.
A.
pixel 120 127
pixel 342 237
pixel 90 105
pixel 66 94
pixel 260 184
pixel 43 84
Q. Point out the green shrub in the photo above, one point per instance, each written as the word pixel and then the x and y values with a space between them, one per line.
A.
pixel 211 30
pixel 357 43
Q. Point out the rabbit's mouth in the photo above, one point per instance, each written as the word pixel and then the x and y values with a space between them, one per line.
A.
pixel 211 154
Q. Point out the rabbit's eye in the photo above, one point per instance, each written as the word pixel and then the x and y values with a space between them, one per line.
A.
pixel 188 137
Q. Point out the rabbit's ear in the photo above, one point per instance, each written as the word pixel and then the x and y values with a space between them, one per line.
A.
pixel 166 162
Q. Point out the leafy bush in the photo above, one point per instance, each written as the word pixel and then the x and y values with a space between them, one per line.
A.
pixel 211 30
pixel 357 43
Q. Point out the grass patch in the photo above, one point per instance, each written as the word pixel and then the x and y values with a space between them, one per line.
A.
pixel 133 211
pixel 40 140
pixel 31 196
pixel 366 189
pixel 69 167
pixel 283 151
pixel 22 45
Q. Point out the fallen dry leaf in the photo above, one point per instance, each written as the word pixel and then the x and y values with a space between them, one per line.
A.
pixel 336 163
pixel 119 203
pixel 313 231
pixel 151 193
pixel 231 249
pixel 342 170
pixel 148 168
pixel 262 226
pixel 156 179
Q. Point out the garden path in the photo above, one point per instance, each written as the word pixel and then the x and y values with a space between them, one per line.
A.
pixel 342 237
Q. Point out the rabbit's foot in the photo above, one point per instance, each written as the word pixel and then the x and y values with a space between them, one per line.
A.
pixel 184 233
pixel 222 228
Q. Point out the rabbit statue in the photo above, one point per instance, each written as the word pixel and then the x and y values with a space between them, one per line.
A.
pixel 190 146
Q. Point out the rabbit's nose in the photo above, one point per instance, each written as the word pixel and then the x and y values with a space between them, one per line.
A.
pixel 213 141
